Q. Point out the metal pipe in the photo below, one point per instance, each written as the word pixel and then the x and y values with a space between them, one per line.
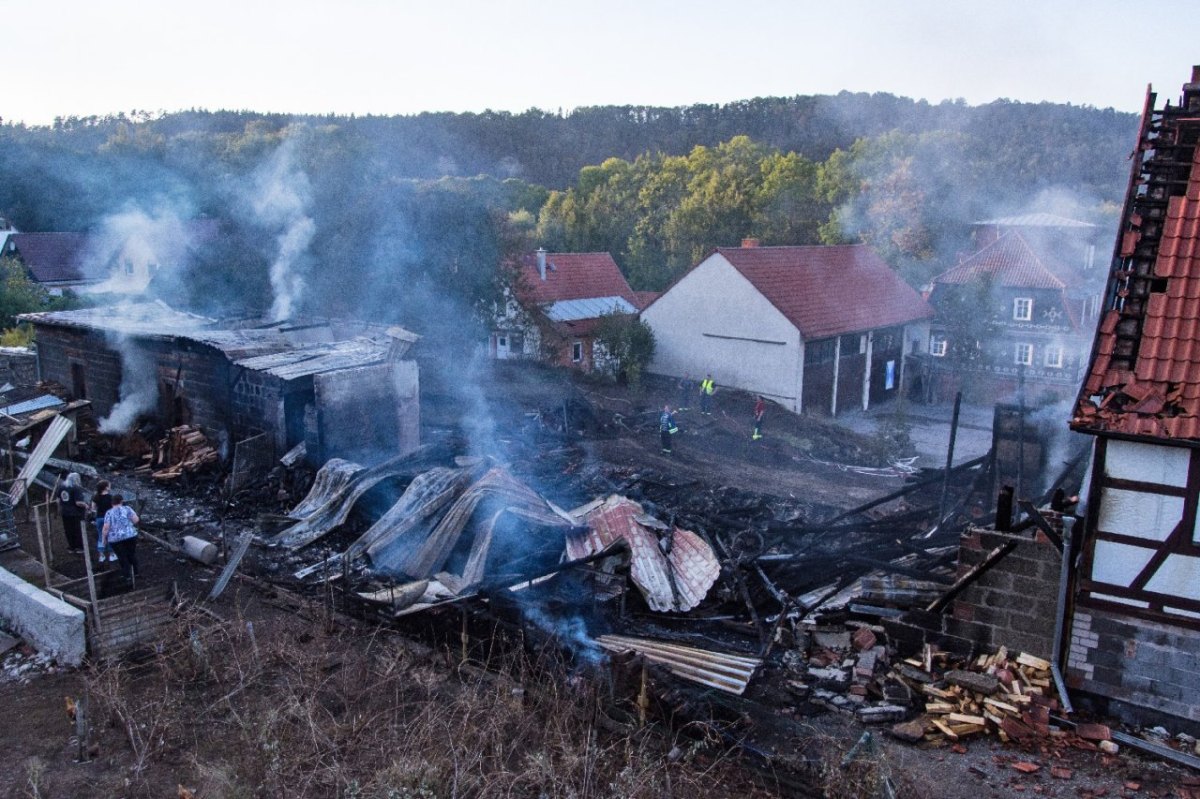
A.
pixel 1060 615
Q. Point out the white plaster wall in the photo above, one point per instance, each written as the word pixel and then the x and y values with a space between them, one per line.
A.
pixel 1147 463
pixel 1178 576
pixel 715 299
pixel 1150 516
pixel 1119 564
pixel 45 621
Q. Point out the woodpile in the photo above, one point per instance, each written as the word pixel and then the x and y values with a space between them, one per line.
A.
pixel 1008 696
pixel 183 449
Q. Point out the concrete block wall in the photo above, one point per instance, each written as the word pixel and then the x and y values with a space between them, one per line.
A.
pixel 1150 670
pixel 257 400
pixel 1013 604
pixel 58 348
pixel 51 625
pixel 18 366
pixel 370 412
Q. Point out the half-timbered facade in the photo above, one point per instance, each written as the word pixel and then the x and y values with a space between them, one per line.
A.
pixel 1135 628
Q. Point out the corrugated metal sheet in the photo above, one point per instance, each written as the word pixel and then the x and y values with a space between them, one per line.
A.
pixel 675 580
pixel 730 673
pixel 53 436
pixel 35 404
pixel 589 308
pixel 318 359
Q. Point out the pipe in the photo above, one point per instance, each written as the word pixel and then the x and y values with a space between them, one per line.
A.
pixel 1060 615
pixel 199 549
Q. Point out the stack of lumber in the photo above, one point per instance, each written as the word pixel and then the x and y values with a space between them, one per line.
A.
pixel 184 449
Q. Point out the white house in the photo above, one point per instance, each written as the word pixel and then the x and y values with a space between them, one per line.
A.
pixel 817 329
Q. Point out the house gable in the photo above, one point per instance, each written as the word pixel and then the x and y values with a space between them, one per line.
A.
pixel 714 320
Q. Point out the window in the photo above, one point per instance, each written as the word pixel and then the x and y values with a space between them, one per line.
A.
pixel 128 267
pixel 1054 356
pixel 1022 309
pixel 502 341
pixel 577 351
pixel 1024 354
pixel 937 345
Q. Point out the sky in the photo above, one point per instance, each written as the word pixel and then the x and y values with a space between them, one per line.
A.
pixel 81 58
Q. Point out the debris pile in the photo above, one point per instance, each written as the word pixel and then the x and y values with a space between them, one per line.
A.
pixel 184 449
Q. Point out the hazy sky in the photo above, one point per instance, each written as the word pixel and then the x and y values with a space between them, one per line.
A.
pixel 82 57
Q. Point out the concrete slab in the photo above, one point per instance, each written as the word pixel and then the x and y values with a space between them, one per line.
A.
pixel 46 622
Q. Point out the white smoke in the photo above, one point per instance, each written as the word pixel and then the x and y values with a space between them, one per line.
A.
pixel 280 199
pixel 128 249
pixel 139 385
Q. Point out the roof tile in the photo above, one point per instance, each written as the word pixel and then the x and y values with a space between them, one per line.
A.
pixel 829 290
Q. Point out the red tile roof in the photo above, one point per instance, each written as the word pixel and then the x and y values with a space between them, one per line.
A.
pixel 52 257
pixel 829 290
pixel 1013 261
pixel 571 276
pixel 644 298
pixel 1160 397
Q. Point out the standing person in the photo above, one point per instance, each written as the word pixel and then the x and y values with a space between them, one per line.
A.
pixel 687 390
pixel 707 386
pixel 72 509
pixel 760 407
pixel 101 504
pixel 666 428
pixel 120 533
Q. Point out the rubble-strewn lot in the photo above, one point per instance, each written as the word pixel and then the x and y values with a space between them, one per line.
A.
pixel 708 674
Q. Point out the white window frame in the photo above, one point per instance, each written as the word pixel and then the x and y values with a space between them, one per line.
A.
pixel 938 345
pixel 1053 356
pixel 576 352
pixel 1023 349
pixel 1023 303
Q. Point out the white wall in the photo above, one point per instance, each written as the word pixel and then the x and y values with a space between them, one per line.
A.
pixel 714 320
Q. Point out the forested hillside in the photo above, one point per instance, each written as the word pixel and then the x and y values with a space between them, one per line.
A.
pixel 431 201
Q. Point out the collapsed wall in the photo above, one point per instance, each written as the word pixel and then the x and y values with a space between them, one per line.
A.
pixel 51 625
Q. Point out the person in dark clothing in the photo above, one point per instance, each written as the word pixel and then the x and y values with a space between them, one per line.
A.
pixel 120 533
pixel 101 503
pixel 666 428
pixel 72 509
pixel 687 391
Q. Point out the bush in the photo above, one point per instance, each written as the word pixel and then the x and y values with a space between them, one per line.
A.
pixel 628 343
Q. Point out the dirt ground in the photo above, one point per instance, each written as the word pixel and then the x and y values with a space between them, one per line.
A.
pixel 267 692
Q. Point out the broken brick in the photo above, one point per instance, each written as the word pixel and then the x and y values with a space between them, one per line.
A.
pixel 864 639
pixel 1025 767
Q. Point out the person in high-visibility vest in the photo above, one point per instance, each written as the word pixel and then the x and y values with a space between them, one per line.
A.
pixel 666 429
pixel 707 386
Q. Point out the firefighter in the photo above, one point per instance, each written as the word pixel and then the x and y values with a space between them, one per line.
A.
pixel 707 386
pixel 760 407
pixel 666 429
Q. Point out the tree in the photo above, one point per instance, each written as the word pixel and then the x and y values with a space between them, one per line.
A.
pixel 20 295
pixel 629 344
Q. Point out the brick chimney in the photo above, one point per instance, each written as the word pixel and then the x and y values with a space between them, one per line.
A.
pixel 748 242
pixel 541 262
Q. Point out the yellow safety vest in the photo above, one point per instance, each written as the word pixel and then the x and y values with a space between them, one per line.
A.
pixel 706 387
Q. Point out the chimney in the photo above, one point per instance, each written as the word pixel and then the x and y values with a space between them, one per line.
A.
pixel 541 256
pixel 748 242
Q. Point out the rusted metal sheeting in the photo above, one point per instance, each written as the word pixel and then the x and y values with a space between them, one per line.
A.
pixel 675 581
pixel 730 673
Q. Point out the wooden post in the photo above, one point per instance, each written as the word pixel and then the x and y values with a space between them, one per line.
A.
pixel 91 583
pixel 41 537
pixel 949 456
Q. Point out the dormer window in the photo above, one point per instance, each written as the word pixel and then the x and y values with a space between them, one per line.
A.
pixel 1023 309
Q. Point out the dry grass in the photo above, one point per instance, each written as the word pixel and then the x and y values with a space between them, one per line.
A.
pixel 297 713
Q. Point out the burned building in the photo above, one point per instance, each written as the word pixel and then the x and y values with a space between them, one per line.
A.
pixel 1135 630
pixel 341 388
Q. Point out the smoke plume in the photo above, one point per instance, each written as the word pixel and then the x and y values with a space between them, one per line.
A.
pixel 280 198
pixel 139 385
